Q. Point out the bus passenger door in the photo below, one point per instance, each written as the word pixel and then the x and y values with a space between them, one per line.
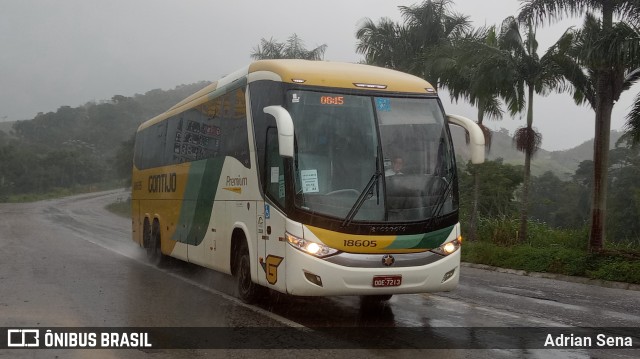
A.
pixel 272 256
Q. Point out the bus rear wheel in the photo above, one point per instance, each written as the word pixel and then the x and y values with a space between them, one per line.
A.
pixel 248 291
pixel 154 251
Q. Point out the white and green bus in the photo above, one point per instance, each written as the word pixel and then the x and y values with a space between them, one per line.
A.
pixel 306 177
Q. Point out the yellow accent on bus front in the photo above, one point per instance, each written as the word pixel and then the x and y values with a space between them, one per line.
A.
pixel 355 243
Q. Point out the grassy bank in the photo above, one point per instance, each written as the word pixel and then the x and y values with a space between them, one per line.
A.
pixel 562 251
pixel 121 208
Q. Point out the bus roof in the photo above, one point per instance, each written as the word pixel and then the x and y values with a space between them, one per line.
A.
pixel 343 75
pixel 310 73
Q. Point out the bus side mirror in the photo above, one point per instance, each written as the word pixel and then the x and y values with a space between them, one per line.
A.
pixel 284 122
pixel 476 136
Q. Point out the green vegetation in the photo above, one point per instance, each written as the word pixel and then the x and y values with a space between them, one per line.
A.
pixel 75 150
pixel 120 208
pixel 551 250
pixel 558 232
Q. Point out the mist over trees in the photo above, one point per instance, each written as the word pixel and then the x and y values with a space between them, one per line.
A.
pixel 79 146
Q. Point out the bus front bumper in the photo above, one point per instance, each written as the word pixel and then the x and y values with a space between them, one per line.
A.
pixel 307 275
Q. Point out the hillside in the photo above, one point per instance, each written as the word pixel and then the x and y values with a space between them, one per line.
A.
pixel 75 147
pixel 562 163
pixel 97 127
pixel 5 126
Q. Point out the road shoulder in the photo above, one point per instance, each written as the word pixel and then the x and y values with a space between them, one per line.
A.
pixel 562 277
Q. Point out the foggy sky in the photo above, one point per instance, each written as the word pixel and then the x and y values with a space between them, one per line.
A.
pixel 55 53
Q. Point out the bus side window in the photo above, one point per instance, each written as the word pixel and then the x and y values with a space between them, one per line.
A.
pixel 274 181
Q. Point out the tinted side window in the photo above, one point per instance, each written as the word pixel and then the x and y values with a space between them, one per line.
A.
pixel 216 128
pixel 233 122
pixel 263 94
pixel 275 168
pixel 150 143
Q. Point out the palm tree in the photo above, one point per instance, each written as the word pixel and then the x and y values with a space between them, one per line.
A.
pixel 607 56
pixel 434 27
pixel 386 44
pixel 293 48
pixel 633 120
pixel 509 66
pixel 533 75
pixel 463 73
pixel 410 47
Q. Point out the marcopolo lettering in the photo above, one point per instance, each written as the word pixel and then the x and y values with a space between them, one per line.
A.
pixel 163 183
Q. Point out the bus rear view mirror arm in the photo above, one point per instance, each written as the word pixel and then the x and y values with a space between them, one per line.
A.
pixel 284 122
pixel 476 136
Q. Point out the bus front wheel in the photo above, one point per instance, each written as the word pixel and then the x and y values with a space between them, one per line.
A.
pixel 248 291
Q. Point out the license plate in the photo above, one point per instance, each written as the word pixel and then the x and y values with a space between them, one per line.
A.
pixel 387 280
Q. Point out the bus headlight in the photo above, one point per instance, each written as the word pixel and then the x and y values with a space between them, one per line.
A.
pixel 448 247
pixel 313 248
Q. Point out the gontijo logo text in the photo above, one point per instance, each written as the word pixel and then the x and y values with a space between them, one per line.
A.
pixel 65 339
pixel 163 183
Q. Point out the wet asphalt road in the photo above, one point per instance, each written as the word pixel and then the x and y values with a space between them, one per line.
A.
pixel 70 263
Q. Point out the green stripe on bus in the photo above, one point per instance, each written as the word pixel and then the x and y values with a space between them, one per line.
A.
pixel 197 204
pixel 422 241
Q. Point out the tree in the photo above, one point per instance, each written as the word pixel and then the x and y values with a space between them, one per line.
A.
pixel 386 44
pixel 600 61
pixel 74 146
pixel 624 198
pixel 462 72
pixel 561 204
pixel 412 47
pixel 509 66
pixel 498 184
pixel 122 161
pixel 633 118
pixel 293 48
pixel 533 74
pixel 438 44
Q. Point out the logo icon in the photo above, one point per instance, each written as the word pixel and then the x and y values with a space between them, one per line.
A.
pixel 388 260
pixel 23 338
pixel 270 267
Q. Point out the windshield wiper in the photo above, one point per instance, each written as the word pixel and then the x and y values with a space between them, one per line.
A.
pixel 437 208
pixel 364 195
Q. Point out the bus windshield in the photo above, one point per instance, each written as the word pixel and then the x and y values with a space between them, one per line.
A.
pixel 397 149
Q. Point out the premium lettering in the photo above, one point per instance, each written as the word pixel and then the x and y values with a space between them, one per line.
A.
pixel 236 181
